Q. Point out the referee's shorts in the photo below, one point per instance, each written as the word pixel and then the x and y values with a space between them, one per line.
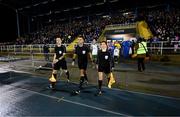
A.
pixel 82 65
pixel 105 69
pixel 60 64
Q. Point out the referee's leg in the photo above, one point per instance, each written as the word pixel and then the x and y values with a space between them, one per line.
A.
pixel 100 81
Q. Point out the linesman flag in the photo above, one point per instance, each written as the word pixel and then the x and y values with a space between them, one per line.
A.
pixel 143 30
pixel 112 80
pixel 52 79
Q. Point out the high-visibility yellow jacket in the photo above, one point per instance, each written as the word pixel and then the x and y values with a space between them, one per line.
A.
pixel 142 49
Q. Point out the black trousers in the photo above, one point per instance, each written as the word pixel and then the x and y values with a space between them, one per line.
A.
pixel 141 66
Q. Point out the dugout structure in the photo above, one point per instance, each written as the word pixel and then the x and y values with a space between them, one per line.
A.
pixel 123 32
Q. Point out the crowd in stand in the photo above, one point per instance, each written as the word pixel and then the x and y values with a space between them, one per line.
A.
pixel 68 31
pixel 164 23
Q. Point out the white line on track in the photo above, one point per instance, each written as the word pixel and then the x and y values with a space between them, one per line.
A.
pixel 114 88
pixel 73 102
pixel 155 95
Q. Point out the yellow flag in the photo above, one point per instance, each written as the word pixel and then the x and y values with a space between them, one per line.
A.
pixel 111 81
pixel 52 79
pixel 143 30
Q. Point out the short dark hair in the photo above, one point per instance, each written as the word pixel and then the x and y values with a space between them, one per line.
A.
pixel 140 39
pixel 104 42
pixel 59 37
pixel 80 36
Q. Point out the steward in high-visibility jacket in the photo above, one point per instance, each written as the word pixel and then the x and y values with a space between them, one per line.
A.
pixel 141 48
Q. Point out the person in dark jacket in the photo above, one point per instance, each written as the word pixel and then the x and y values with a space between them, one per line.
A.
pixel 59 61
pixel 46 52
pixel 82 52
pixel 104 65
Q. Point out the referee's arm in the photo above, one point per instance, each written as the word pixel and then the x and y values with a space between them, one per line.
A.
pixel 54 58
pixel 90 55
pixel 63 56
pixel 97 60
pixel 74 57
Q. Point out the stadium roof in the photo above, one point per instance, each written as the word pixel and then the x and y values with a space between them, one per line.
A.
pixel 35 7
pixel 33 13
pixel 60 9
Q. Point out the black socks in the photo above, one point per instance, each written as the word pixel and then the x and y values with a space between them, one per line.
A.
pixel 99 84
pixel 81 82
pixel 67 74
pixel 85 77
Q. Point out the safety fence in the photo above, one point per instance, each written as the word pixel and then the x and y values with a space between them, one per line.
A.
pixel 24 65
pixel 157 48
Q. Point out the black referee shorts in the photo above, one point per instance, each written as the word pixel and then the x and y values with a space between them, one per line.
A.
pixel 105 69
pixel 60 64
pixel 82 65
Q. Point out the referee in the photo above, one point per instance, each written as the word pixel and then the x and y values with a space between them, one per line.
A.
pixel 82 52
pixel 104 66
pixel 59 61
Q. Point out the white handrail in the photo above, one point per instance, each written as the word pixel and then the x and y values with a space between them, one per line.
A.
pixel 160 46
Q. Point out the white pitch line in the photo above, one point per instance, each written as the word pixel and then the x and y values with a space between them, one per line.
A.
pixel 148 94
pixel 73 102
pixel 93 107
pixel 155 95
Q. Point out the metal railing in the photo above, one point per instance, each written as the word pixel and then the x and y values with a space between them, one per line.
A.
pixel 164 47
pixel 157 48
pixel 120 26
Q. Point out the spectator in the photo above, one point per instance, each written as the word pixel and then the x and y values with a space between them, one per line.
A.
pixel 46 52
